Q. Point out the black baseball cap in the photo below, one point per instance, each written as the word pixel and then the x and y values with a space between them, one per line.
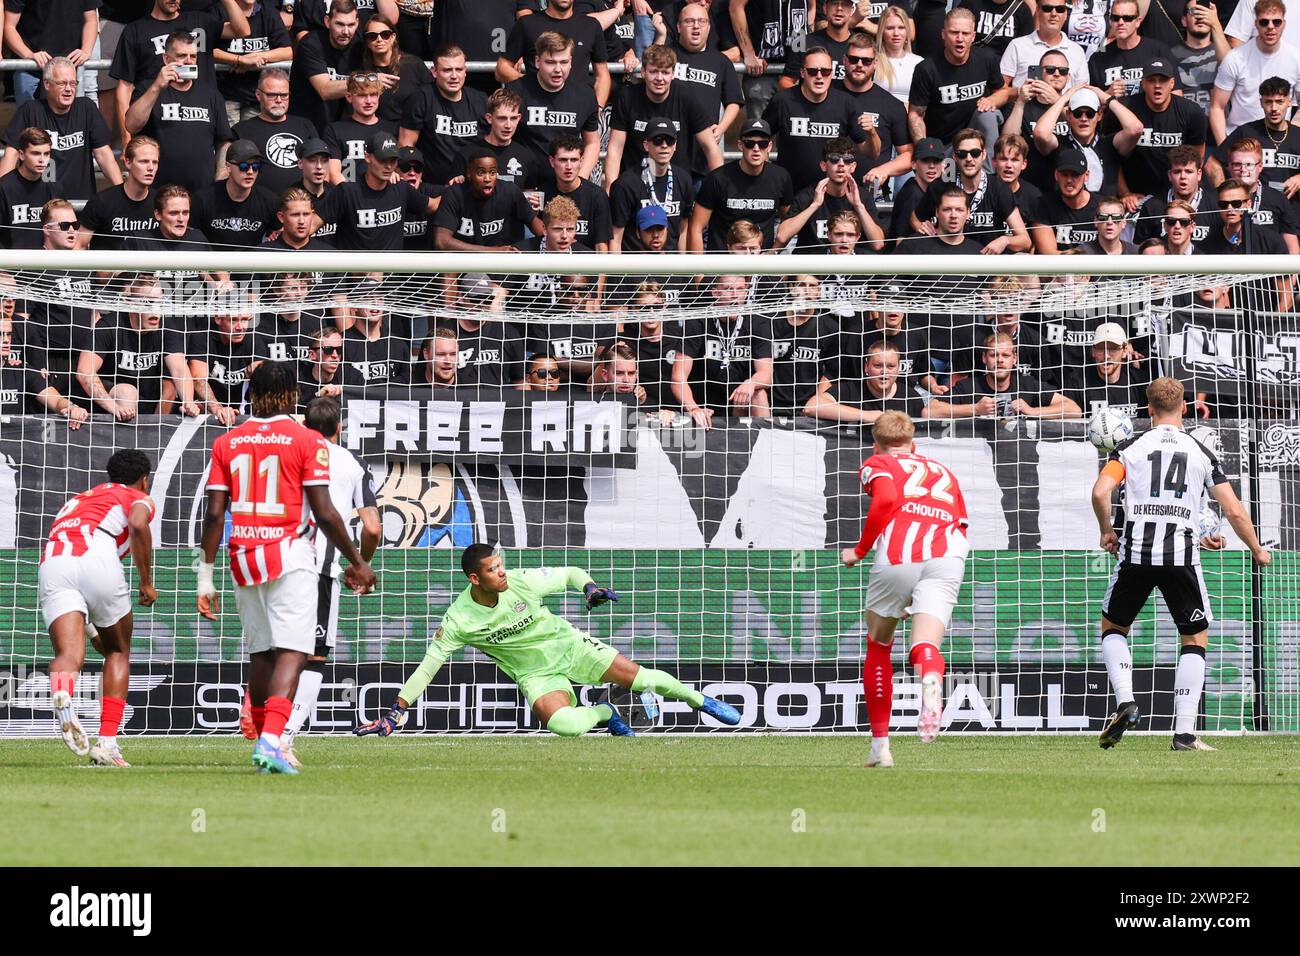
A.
pixel 243 151
pixel 929 148
pixel 756 127
pixel 382 146
pixel 659 126
pixel 409 154
pixel 1158 67
pixel 313 147
pixel 1071 161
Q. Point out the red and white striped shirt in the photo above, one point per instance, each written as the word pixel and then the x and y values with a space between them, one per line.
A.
pixel 103 509
pixel 266 464
pixel 928 519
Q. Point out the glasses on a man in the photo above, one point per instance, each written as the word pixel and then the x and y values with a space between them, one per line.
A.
pixel 270 95
pixel 1123 17
pixel 1233 203
pixel 1177 222
pixel 1110 217
pixel 819 70
pixel 755 143
pixel 694 22
pixel 838 159
pixel 410 167
pixel 1059 8
pixel 662 141
pixel 1267 22
pixel 332 350
pixel 65 225
pixel 974 153
pixel 1083 113
pixel 1238 164
pixel 546 372
pixel 859 60
pixel 1056 70
pixel 252 167
pixel 374 35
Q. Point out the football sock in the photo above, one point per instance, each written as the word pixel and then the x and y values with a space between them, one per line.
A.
pixel 110 717
pixel 277 715
pixel 304 701
pixel 63 680
pixel 576 721
pixel 926 660
pixel 1189 678
pixel 665 685
pixel 259 718
pixel 1119 665
pixel 878 687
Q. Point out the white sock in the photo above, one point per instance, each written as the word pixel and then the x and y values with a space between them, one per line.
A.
pixel 304 702
pixel 271 739
pixel 1119 665
pixel 1189 678
pixel 108 741
pixel 878 744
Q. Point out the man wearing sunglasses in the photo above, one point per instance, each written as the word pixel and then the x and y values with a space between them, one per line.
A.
pixel 1237 235
pixel 655 181
pixel 815 206
pixel 319 374
pixel 1235 99
pixel 1118 68
pixel 962 88
pixel 1241 28
pixel 1049 27
pixel 186 118
pixel 1267 208
pixel 749 188
pixel 1111 220
pixel 1185 185
pixel 278 135
pixel 1167 121
pixel 994 221
pixel 833 38
pixel 880 115
pixel 236 213
pixel 805 117
pixel 1084 108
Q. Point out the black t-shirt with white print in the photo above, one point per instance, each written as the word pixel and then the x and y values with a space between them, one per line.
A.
pixel 801 355
pixel 346 139
pixel 1146 170
pixel 802 129
pixel 572 109
pixel 279 144
pixel 445 129
pixel 732 194
pixel 994 28
pixel 593 210
pixel 113 215
pixel 887 112
pixel 19 386
pixel 21 200
pixel 1112 64
pixel 724 351
pixel 498 220
pixel 230 224
pixel 189 126
pixel 815 234
pixel 632 113
pixel 1070 226
pixel 516 163
pixel 949 93
pixel 491 356
pixel 228 363
pixel 372 219
pixel 970 390
pixel 990 206
pixel 74 137
pixel 1127 394
pixel 1281 154
pixel 384 361
pixel 636 188
pixel 139 54
pixel 135 358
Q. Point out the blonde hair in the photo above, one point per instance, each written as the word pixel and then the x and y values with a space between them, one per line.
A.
pixel 893 429
pixel 885 69
pixel 1166 396
pixel 561 209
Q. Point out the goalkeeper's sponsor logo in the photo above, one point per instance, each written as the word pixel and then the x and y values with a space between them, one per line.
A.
pixel 503 634
pixel 77 909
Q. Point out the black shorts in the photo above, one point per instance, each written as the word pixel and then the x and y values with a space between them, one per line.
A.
pixel 1183 589
pixel 327 614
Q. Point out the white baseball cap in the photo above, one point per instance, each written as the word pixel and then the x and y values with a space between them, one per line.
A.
pixel 1085 98
pixel 1111 333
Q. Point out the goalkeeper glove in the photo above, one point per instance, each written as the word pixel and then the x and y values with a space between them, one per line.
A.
pixel 598 596
pixel 395 719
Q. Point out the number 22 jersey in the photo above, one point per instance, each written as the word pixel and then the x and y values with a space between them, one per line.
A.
pixel 929 520
pixel 266 464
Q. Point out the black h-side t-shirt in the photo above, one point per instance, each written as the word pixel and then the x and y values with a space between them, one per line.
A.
pixel 733 194
pixel 498 220
pixel 279 143
pixel 346 139
pixel 545 114
pixel 139 54
pixel 949 93
pixel 21 201
pixel 634 189
pixel 372 219
pixel 228 362
pixel 593 210
pixel 74 137
pixel 189 125
pixel 445 129
pixel 803 127
pixel 135 358
pixel 1183 124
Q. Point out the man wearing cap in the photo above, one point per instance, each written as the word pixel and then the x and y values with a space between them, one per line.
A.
pixel 277 134
pixel 807 115
pixel 314 173
pixel 410 167
pixel 491 353
pixel 553 103
pixel 187 119
pixel 483 214
pixel 1084 108
pixel 1110 380
pixel 1066 216
pixel 635 106
pixel 654 183
pixel 372 213
pixel 1118 68
pixel 347 136
pixel 1025 51
pixel 995 222
pixel 927 169
pixel 443 118
pixel 236 213
pixel 1167 121
pixel 749 188
pixel 1235 99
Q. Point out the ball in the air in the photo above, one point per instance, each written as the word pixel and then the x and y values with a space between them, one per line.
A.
pixel 1209 522
pixel 1109 429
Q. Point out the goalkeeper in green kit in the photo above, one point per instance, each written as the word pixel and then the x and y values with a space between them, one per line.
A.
pixel 501 613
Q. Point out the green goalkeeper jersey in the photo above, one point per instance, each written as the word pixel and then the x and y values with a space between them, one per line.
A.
pixel 520 633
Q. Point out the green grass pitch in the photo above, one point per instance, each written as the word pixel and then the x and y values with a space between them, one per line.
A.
pixel 665 800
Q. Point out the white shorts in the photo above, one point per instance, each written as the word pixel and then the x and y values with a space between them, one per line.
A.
pixel 327 614
pixel 922 587
pixel 93 584
pixel 280 614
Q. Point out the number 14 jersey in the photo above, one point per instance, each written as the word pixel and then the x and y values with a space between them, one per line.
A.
pixel 266 464
pixel 929 520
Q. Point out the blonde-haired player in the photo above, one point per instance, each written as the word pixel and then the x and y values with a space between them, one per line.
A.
pixel 917 525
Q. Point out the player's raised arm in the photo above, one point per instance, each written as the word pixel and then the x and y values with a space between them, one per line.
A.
pixel 554 580
pixel 1239 518
pixel 1103 489
pixel 444 644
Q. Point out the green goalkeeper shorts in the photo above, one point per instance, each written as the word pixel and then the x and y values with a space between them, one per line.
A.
pixel 585 662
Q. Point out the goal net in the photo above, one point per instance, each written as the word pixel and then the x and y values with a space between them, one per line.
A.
pixel 687 429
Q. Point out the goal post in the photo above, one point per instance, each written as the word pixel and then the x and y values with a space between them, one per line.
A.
pixel 722 541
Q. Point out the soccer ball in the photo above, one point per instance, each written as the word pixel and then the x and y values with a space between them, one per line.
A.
pixel 1109 429
pixel 1209 522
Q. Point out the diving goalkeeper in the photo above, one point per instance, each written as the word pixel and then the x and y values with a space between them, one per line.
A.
pixel 501 613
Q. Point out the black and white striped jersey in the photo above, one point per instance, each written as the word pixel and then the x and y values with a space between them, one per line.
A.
pixel 351 488
pixel 1167 473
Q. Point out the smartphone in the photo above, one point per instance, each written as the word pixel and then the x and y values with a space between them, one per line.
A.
pixel 1035 72
pixel 187 71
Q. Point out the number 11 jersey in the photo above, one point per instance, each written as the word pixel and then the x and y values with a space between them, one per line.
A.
pixel 929 520
pixel 266 464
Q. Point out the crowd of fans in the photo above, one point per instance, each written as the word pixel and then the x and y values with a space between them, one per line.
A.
pixel 997 127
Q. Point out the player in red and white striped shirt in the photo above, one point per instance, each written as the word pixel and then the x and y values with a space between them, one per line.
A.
pixel 82 583
pixel 917 524
pixel 274 475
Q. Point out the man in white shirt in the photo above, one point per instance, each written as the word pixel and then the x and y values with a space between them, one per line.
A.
pixel 1022 52
pixel 1235 99
pixel 1241 27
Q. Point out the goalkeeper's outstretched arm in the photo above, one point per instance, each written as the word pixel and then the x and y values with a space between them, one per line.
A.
pixel 441 647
